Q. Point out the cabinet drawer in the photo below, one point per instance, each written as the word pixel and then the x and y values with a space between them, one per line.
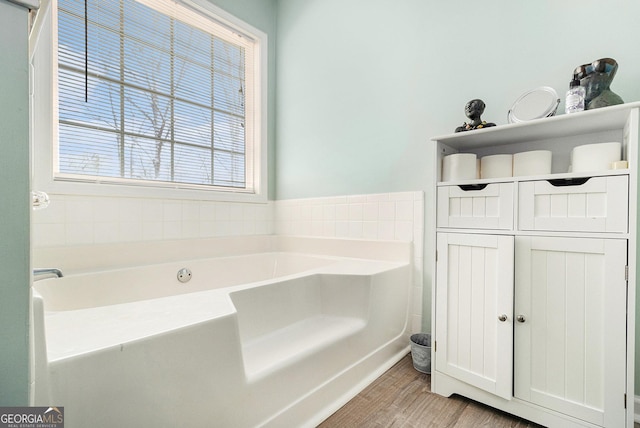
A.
pixel 596 204
pixel 483 207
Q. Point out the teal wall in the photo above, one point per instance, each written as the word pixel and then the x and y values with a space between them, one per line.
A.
pixel 14 207
pixel 362 85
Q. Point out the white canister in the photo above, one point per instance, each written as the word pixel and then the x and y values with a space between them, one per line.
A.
pixel 595 157
pixel 496 166
pixel 459 166
pixel 535 162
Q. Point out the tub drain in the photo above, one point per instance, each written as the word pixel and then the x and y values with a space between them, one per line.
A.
pixel 184 275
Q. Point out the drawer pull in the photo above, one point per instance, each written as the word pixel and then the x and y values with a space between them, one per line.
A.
pixel 468 187
pixel 558 182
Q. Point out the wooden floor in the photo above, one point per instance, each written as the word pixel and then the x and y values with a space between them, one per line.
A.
pixel 401 398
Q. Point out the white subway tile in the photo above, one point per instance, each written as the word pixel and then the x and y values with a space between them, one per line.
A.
pixel 249 212
pixel 317 212
pixel 190 229
pixel 190 211
pixel 305 228
pixel 262 227
pixel 207 229
pixel 342 212
pixel 223 211
pixel 130 231
pixel 172 230
pixel 386 230
pixel 79 233
pixel 236 211
pixel 106 232
pixel 54 213
pixel 317 228
pixel 171 211
pixel 370 211
pixel 129 210
pixel 403 231
pixel 342 229
pixel 248 228
pixel 355 212
pixel 152 210
pixel 370 230
pixel 329 212
pixel 152 230
pixel 106 210
pixel 404 210
pixel 296 213
pixel 207 211
pixel 329 228
pixel 223 228
pixel 78 210
pixel 418 214
pixel 355 229
pixel 305 212
pixel 387 211
pixel 234 228
pixel 49 234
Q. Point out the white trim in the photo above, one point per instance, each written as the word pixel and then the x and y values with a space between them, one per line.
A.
pixel 44 56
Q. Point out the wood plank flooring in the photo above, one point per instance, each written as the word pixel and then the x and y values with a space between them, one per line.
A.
pixel 402 398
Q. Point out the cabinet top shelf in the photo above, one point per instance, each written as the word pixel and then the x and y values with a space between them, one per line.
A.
pixel 603 119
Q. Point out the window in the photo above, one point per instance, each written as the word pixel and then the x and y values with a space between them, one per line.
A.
pixel 156 93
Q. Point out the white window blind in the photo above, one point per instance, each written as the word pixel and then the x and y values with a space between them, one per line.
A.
pixel 153 92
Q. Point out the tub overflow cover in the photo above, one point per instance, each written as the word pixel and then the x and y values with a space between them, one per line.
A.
pixel 184 275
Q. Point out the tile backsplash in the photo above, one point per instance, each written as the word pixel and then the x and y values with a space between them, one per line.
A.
pixel 384 216
pixel 89 220
pixel 86 220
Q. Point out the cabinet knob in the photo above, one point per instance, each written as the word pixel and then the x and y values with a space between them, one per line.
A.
pixel 520 318
pixel 502 317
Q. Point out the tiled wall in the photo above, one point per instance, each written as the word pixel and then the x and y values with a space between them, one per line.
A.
pixel 88 220
pixel 82 220
pixel 384 216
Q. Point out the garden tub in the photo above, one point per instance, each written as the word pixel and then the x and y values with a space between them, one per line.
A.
pixel 281 334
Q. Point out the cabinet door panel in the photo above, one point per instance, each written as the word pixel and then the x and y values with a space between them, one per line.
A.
pixel 474 287
pixel 571 346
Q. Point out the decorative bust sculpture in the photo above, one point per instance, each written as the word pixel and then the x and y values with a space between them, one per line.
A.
pixel 596 79
pixel 473 110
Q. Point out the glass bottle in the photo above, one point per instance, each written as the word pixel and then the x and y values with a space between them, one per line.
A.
pixel 574 101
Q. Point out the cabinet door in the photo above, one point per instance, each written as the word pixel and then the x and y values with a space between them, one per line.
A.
pixel 570 343
pixel 474 310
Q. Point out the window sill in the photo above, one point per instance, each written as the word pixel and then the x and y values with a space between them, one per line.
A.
pixel 74 188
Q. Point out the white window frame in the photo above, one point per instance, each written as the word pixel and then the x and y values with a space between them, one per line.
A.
pixel 44 119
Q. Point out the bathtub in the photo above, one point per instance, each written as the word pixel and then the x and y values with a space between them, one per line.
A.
pixel 281 332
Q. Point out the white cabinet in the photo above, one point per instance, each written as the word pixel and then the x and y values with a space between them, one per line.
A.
pixel 570 330
pixel 475 301
pixel 532 312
